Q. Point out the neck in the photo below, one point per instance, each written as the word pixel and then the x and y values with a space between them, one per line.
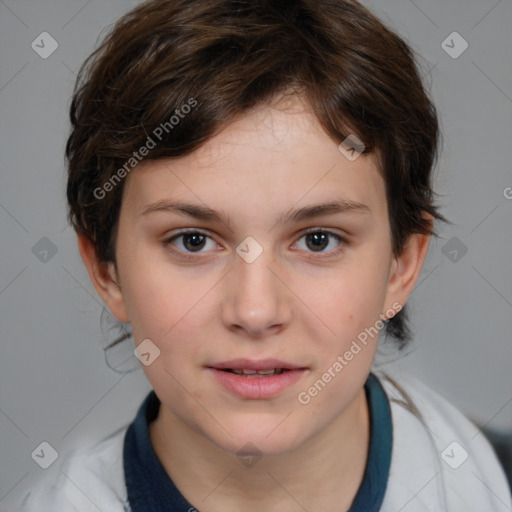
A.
pixel 326 470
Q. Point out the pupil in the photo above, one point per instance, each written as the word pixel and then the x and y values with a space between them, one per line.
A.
pixel 197 241
pixel 318 238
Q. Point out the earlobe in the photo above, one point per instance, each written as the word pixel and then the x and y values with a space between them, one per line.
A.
pixel 104 279
pixel 406 268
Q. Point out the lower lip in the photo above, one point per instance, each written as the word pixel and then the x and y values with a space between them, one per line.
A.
pixel 257 387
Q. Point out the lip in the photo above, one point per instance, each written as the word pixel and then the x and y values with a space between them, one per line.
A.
pixel 256 388
pixel 254 364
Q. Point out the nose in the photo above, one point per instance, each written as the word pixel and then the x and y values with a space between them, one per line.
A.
pixel 256 301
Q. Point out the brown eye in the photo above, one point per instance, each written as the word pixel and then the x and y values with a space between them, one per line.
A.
pixel 194 241
pixel 189 242
pixel 318 240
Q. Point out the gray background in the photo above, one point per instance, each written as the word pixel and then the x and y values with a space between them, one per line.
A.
pixel 55 384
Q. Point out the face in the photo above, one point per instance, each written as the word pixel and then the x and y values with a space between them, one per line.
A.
pixel 217 263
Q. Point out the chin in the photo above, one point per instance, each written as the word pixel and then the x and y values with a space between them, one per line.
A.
pixel 268 438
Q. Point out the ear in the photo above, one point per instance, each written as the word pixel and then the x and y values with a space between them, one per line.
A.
pixel 406 268
pixel 103 277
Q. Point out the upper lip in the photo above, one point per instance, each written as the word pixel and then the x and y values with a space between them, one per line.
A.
pixel 254 364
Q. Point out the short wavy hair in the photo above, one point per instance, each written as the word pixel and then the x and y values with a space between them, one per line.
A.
pixel 358 76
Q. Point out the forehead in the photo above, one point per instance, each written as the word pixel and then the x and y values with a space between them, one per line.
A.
pixel 265 161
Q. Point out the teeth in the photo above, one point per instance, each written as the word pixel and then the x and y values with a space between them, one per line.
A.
pixel 273 371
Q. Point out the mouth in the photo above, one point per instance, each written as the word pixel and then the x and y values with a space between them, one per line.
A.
pixel 256 379
pixel 255 373
pixel 247 367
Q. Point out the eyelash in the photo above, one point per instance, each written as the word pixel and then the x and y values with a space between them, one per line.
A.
pixel 193 256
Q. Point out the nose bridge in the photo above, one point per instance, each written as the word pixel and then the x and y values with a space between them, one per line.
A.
pixel 257 300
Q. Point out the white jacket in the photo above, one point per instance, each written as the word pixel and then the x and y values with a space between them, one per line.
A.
pixel 440 462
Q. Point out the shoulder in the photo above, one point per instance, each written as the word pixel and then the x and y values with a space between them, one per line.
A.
pixel 89 479
pixel 440 459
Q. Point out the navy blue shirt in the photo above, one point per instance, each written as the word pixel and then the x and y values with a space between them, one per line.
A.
pixel 150 489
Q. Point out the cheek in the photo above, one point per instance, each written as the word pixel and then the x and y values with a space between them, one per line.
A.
pixel 155 298
pixel 349 305
pixel 352 300
pixel 170 305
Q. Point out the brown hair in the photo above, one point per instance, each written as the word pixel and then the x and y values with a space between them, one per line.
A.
pixel 228 56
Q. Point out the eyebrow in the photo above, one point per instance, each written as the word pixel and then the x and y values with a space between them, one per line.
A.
pixel 294 215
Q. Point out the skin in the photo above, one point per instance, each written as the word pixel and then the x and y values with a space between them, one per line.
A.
pixel 295 302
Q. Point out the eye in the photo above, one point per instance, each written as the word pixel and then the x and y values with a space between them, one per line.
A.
pixel 189 242
pixel 317 240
